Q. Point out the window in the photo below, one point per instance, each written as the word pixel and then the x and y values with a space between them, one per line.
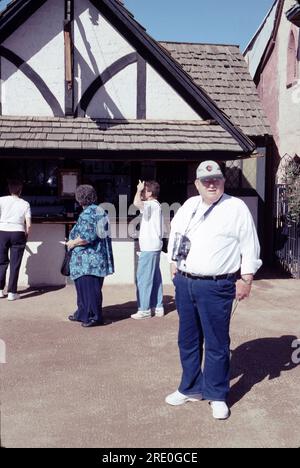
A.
pixel 292 62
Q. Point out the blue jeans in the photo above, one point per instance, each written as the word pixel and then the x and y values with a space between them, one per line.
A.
pixel 204 308
pixel 148 281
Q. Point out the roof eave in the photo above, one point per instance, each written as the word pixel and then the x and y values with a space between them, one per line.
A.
pixel 15 14
pixel 156 55
pixel 293 15
pixel 170 69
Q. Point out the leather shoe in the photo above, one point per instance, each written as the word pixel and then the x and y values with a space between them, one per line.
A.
pixel 73 319
pixel 92 323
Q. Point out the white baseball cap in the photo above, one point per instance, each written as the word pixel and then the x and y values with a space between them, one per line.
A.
pixel 209 169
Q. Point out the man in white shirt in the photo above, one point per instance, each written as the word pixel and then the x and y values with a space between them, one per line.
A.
pixel 212 237
pixel 148 278
pixel 15 223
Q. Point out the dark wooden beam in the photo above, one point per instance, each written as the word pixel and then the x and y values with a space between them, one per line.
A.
pixel 141 111
pixel 1 85
pixel 69 58
pixel 35 78
pixel 115 155
pixel 101 80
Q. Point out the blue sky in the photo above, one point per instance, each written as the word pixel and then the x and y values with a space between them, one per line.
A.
pixel 214 21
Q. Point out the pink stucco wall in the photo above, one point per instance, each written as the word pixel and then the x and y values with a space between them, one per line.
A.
pixel 268 89
pixel 281 99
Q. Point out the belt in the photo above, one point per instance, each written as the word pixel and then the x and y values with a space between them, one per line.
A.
pixel 212 278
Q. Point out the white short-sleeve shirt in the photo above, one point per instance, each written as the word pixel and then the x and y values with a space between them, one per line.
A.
pixel 13 212
pixel 150 238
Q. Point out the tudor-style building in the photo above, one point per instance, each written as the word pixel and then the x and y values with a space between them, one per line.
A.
pixel 87 95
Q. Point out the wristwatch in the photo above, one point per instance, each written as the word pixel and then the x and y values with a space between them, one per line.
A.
pixel 247 281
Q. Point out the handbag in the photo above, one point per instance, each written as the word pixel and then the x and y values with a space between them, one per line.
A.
pixel 65 267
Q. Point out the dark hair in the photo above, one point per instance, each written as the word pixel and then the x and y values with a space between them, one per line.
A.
pixel 15 186
pixel 154 187
pixel 85 195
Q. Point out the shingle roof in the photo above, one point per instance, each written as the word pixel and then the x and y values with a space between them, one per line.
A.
pixel 210 77
pixel 90 134
pixel 151 51
pixel 222 72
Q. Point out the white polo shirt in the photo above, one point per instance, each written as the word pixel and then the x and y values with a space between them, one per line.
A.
pixel 223 242
pixel 13 211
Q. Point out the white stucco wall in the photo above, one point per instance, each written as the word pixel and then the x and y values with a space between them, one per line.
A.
pixel 289 98
pixel 97 46
pixel 40 42
pixel 163 102
pixel 19 95
pixel 45 252
pixel 43 256
pixel 118 98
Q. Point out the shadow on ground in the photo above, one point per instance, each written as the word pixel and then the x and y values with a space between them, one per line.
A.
pixel 38 291
pixel 274 272
pixel 118 312
pixel 255 360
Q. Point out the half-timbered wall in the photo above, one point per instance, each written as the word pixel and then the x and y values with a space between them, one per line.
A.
pixel 110 79
pixel 32 64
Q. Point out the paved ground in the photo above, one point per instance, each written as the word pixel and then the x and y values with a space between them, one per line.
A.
pixel 65 386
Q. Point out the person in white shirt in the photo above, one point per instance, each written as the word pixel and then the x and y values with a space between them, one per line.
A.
pixel 212 237
pixel 15 223
pixel 148 278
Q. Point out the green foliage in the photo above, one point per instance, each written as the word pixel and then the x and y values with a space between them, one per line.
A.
pixel 292 181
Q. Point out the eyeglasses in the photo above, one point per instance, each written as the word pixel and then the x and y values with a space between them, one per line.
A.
pixel 211 180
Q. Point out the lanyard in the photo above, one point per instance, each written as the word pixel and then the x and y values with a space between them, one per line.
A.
pixel 204 216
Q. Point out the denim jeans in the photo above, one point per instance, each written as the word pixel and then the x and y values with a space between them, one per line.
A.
pixel 148 281
pixel 204 308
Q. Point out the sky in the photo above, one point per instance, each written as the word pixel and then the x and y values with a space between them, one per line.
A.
pixel 212 21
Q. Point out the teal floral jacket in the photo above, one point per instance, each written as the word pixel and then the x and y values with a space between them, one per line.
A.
pixel 95 258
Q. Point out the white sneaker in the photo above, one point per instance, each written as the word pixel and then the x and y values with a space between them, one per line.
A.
pixel 159 312
pixel 1 293
pixel 13 296
pixel 219 409
pixel 177 398
pixel 141 314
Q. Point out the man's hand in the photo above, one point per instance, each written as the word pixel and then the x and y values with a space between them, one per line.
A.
pixel 141 186
pixel 243 287
pixel 138 201
pixel 173 270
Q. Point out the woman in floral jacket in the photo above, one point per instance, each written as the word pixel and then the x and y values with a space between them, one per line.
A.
pixel 92 257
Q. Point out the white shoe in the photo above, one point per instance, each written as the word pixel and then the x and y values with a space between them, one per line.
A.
pixel 1 293
pixel 141 314
pixel 159 312
pixel 13 296
pixel 177 398
pixel 219 409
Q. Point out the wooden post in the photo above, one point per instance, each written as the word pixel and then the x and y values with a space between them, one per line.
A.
pixel 69 59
